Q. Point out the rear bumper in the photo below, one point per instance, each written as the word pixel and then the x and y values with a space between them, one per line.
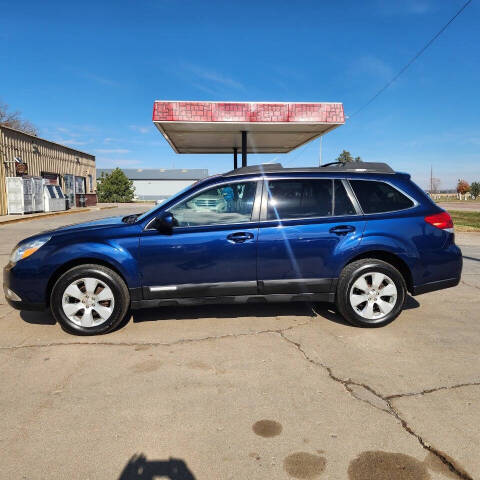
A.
pixel 441 268
pixel 432 286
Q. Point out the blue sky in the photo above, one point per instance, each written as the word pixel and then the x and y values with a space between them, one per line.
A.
pixel 87 73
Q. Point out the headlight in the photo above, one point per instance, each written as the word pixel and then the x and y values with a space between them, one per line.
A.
pixel 27 249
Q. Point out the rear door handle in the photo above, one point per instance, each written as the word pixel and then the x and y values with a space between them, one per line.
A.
pixel 239 237
pixel 342 229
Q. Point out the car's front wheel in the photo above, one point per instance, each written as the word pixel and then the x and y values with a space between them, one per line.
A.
pixel 89 300
pixel 370 293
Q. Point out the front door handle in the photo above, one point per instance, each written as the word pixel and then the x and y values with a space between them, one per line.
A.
pixel 239 237
pixel 342 229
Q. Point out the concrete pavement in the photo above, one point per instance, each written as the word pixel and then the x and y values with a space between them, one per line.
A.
pixel 255 391
pixel 467 205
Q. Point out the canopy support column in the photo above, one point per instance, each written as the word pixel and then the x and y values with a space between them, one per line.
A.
pixel 244 148
pixel 235 160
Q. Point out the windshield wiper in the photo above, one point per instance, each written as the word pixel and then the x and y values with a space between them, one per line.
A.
pixel 130 218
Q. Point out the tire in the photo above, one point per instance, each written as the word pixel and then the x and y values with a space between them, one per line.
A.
pixel 359 296
pixel 89 300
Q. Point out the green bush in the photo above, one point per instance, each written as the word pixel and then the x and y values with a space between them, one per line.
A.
pixel 115 187
pixel 475 189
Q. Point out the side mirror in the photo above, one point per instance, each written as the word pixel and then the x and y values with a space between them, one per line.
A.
pixel 164 223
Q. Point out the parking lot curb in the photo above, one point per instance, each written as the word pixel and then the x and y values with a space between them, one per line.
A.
pixel 52 214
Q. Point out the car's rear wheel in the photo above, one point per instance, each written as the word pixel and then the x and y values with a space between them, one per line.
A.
pixel 370 293
pixel 89 300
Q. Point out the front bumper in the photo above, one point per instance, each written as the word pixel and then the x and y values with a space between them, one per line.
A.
pixel 14 297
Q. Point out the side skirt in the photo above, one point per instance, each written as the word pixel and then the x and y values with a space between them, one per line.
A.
pixel 296 297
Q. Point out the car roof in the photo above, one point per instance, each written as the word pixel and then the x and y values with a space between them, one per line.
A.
pixel 334 167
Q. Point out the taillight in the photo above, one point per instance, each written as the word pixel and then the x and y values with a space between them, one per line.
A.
pixel 441 220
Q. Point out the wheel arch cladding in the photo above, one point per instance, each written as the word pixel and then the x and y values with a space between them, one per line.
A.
pixel 390 258
pixel 75 263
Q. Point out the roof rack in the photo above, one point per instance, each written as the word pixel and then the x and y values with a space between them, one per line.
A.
pixel 350 167
pixel 263 167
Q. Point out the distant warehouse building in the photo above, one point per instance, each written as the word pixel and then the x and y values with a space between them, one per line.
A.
pixel 22 154
pixel 159 183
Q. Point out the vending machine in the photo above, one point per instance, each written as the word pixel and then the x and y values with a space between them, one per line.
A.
pixel 38 203
pixel 54 198
pixel 20 196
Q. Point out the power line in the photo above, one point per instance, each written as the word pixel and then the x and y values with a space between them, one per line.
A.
pixel 420 52
pixel 301 150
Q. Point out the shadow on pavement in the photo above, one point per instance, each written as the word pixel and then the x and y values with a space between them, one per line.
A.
pixel 471 258
pixel 325 310
pixel 139 468
pixel 223 311
pixel 410 303
pixel 37 318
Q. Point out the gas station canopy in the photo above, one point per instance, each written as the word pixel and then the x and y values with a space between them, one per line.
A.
pixel 253 127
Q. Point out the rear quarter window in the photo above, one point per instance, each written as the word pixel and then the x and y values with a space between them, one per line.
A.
pixel 378 197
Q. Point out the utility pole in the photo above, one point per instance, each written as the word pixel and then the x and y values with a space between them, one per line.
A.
pixel 431 179
pixel 320 152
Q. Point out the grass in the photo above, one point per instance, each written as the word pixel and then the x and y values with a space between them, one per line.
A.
pixel 454 199
pixel 465 221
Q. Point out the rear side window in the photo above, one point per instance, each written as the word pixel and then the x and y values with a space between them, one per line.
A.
pixel 307 199
pixel 378 197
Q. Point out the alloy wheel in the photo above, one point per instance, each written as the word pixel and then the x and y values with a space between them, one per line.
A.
pixel 88 302
pixel 373 295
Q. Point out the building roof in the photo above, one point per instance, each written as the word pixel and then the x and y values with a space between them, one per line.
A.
pixel 35 137
pixel 159 174
pixel 216 127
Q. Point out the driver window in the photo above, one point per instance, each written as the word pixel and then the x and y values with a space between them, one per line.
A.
pixel 228 203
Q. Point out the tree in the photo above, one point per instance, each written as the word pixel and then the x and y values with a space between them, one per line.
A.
pixel 475 189
pixel 463 187
pixel 14 120
pixel 344 157
pixel 115 187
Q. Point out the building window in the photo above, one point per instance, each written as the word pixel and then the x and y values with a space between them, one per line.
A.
pixel 79 184
pixel 90 184
pixel 50 178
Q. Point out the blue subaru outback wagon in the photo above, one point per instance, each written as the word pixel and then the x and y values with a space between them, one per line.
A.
pixel 359 235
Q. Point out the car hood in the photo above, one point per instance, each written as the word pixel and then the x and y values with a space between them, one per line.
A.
pixel 109 222
pixel 102 223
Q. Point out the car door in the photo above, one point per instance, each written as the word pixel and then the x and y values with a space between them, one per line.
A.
pixel 211 250
pixel 308 226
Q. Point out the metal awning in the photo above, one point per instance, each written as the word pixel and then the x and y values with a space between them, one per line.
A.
pixel 247 127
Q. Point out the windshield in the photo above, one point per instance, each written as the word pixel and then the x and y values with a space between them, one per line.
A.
pixel 163 202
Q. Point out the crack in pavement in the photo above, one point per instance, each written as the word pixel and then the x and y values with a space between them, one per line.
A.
pixel 448 462
pixel 470 285
pixel 432 390
pixel 156 344
pixel 385 401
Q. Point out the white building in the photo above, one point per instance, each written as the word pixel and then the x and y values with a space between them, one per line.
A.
pixel 157 184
